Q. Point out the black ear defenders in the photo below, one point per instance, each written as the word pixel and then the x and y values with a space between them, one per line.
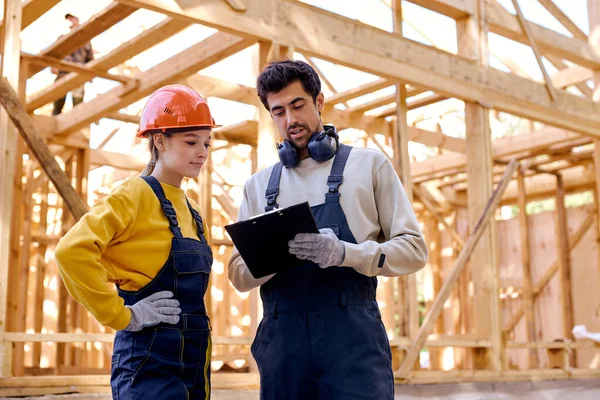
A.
pixel 321 147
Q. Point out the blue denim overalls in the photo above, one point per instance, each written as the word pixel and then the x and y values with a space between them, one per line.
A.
pixel 168 361
pixel 322 336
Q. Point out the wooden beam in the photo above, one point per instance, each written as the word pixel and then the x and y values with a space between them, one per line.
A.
pixel 358 91
pixel 452 277
pixel 132 119
pixel 73 67
pixel 456 9
pixel 527 29
pixel 571 76
pixel 559 64
pixel 563 19
pixel 40 150
pixel 9 151
pixel 530 142
pixel 207 52
pixel 503 23
pixel 78 37
pixel 393 57
pixel 32 10
pixel 473 43
pixel 407 284
pixel 215 87
pixel 565 262
pixel 527 301
pixel 124 52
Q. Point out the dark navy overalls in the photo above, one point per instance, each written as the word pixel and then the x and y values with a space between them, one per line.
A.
pixel 168 361
pixel 322 336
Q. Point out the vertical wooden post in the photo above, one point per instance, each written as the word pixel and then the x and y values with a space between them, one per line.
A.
pixel 527 277
pixel 407 285
pixel 205 202
pixel 435 263
pixel 41 267
pixel 565 263
pixel 268 136
pixel 11 56
pixel 63 297
pixel 473 43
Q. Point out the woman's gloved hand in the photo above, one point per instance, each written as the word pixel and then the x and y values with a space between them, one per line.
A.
pixel 153 310
pixel 324 248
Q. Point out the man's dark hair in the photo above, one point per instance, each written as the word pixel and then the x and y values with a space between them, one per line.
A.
pixel 278 75
pixel 67 16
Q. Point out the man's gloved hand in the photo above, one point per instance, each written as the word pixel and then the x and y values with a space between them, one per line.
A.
pixel 153 310
pixel 324 249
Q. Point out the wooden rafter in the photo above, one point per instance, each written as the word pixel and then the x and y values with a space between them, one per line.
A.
pixel 129 49
pixel 210 50
pixel 563 19
pixel 100 22
pixel 394 57
pixel 525 27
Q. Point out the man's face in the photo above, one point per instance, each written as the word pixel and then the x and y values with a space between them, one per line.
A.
pixel 296 115
pixel 73 22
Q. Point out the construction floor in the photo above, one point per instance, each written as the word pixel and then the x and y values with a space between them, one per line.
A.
pixel 546 390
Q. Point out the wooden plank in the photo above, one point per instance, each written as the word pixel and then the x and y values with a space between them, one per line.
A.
pixel 504 147
pixel 11 46
pixel 527 29
pixel 456 9
pixel 571 76
pixel 207 52
pixel 40 150
pixel 564 264
pixel 124 52
pixel 358 91
pixel 472 42
pixel 32 10
pixel 237 5
pixel 46 61
pixel 40 274
pixel 563 19
pixel 389 56
pixel 407 285
pixel 461 261
pixel 527 292
pixel 79 36
pixel 503 23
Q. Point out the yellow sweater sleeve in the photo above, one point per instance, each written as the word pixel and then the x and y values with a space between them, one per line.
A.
pixel 79 258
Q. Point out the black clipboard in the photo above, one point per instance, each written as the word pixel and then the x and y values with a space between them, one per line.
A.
pixel 263 240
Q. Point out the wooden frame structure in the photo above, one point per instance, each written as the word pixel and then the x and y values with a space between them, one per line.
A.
pixel 471 329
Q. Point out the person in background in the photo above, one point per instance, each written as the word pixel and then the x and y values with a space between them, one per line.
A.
pixel 82 55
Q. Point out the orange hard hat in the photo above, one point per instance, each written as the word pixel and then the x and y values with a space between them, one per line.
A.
pixel 174 107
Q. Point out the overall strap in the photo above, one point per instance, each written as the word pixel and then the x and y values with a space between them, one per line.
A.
pixel 336 176
pixel 198 220
pixel 273 187
pixel 165 204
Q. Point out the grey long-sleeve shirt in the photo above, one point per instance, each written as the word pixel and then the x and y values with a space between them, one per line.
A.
pixel 378 211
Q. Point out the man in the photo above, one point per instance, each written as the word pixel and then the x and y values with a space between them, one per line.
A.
pixel 82 55
pixel 322 336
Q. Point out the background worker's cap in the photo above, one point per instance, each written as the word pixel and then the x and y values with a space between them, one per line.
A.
pixel 174 107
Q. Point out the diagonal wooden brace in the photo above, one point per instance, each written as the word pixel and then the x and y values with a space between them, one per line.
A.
pixel 461 261
pixel 40 150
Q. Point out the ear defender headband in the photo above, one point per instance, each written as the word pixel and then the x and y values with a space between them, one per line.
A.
pixel 321 147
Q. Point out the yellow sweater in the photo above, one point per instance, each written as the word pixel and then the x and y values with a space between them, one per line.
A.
pixel 124 239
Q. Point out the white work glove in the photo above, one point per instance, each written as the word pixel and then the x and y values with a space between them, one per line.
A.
pixel 324 248
pixel 153 310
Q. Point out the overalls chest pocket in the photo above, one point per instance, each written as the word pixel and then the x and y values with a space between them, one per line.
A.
pixel 192 269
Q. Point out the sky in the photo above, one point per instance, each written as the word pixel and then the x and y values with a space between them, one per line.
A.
pixel 240 67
